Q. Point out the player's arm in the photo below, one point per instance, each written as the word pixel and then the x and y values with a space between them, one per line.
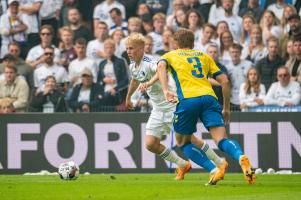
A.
pixel 223 80
pixel 30 10
pixel 132 88
pixel 144 86
pixel 162 74
pixel 213 82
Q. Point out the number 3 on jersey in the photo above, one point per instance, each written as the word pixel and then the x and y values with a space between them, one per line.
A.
pixel 197 72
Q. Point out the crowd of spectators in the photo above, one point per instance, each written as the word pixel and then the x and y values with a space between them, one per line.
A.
pixel 70 55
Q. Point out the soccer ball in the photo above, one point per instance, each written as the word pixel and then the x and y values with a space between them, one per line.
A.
pixel 68 170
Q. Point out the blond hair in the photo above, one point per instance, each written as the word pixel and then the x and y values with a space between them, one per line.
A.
pixel 109 41
pixel 135 20
pixel 159 16
pixel 136 38
pixel 6 102
pixel 66 29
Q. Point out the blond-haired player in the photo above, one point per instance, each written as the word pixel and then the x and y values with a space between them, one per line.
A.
pixel 143 70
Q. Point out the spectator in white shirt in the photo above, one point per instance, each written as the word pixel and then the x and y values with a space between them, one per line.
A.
pixel 82 62
pixel 36 56
pixel 247 22
pixel 50 68
pixel 233 20
pixel 148 47
pixel 226 40
pixel 31 8
pixel 221 27
pixel 134 26
pixel 171 19
pixel 208 33
pixel 117 36
pixel 95 48
pixel 277 8
pixel 285 92
pixel 13 28
pixel 194 22
pixel 3 6
pixel 237 71
pixel 256 49
pixel 118 21
pixel 159 24
pixel 251 92
pixel 269 26
pixel 287 12
pixel 167 41
pixel 102 12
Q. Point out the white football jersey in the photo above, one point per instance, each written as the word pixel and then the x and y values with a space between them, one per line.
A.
pixel 237 74
pixel 143 73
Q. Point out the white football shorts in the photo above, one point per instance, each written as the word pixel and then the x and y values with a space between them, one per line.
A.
pixel 160 123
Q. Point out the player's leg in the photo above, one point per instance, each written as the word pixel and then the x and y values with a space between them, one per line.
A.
pixel 185 120
pixel 193 152
pixel 199 157
pixel 155 129
pixel 221 163
pixel 208 151
pixel 212 119
pixel 232 148
pixel 153 144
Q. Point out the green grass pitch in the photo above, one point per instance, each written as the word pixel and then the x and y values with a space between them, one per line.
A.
pixel 148 187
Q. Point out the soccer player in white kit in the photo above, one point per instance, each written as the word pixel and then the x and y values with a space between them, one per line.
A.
pixel 143 70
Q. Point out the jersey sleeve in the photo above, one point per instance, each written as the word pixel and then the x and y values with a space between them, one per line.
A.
pixel 214 70
pixel 165 58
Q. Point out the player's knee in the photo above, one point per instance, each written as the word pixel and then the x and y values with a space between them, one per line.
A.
pixel 182 140
pixel 151 146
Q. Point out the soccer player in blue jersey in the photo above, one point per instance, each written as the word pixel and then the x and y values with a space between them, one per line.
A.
pixel 196 99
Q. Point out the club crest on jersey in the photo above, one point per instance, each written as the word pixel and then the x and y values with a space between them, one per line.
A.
pixel 146 59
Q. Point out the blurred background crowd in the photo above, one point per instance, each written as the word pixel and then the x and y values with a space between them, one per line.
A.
pixel 70 56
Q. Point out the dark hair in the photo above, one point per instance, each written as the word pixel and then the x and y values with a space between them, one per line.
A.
pixel 116 10
pixel 9 58
pixel 50 77
pixel 296 39
pixel 293 16
pixel 49 47
pixel 81 41
pixel 236 46
pixel 200 21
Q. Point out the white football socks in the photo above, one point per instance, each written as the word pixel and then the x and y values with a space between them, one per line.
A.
pixel 211 154
pixel 171 156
